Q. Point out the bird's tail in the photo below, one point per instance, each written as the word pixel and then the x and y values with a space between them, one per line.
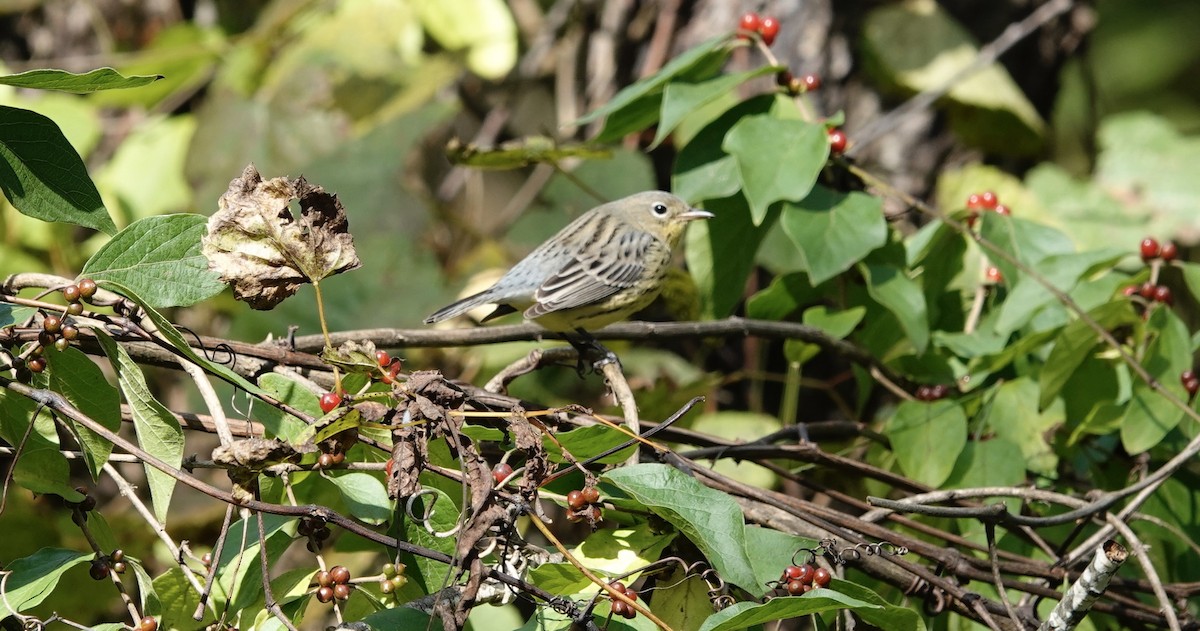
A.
pixel 458 308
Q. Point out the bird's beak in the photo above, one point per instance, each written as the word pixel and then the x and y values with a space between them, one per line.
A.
pixel 695 213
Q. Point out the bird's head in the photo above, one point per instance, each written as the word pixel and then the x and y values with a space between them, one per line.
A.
pixel 661 214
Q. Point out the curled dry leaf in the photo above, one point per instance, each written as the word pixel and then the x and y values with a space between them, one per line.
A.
pixel 245 458
pixel 353 357
pixel 265 252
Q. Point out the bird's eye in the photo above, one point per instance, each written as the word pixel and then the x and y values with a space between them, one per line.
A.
pixel 659 210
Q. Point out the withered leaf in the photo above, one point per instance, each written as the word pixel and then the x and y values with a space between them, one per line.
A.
pixel 265 252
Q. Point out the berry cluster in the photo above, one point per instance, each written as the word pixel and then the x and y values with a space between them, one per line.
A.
pixel 316 530
pixel 1190 382
pixel 501 472
pixel 1151 249
pixel 620 607
pixel 334 583
pixel 389 366
pixel 986 201
pixel 60 330
pixel 393 578
pixel 766 27
pixel 584 504
pixel 796 86
pixel 801 579
pixel 931 393
pixel 1151 292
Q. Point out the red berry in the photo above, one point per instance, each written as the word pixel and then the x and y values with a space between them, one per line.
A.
pixel 1146 291
pixel 339 575
pixel 324 461
pixel 619 607
pixel 795 588
pixel 923 393
pixel 631 594
pixel 501 472
pixel 1190 382
pixel 387 468
pixel 1001 209
pixel 36 364
pixel 938 392
pixel 324 579
pixel 993 275
pixel 575 500
pixel 87 288
pixel 1150 249
pixel 806 573
pixel 325 594
pixel 989 200
pixel 750 23
pixel 1162 294
pixel 591 495
pixel 71 293
pixel 52 324
pixel 1130 290
pixel 618 586
pixel 1169 251
pixel 148 624
pixel 783 78
pixel 974 201
pixel 768 30
pixel 329 401
pixel 837 141
pixel 382 358
pixel 791 573
pixel 206 559
pixel 341 591
pixel 821 577
pixel 811 82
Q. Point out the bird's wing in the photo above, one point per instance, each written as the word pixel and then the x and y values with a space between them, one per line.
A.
pixel 591 277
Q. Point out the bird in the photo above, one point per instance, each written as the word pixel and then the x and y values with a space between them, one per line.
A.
pixel 601 268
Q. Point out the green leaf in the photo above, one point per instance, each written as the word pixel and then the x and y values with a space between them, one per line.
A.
pixel 697 63
pixel 702 169
pixel 684 602
pixel 93 81
pixel 994 462
pixel 585 442
pixel 157 430
pixel 736 425
pixel 681 99
pixel 768 548
pixel 1191 276
pixel 888 616
pixel 778 159
pixel 241 578
pixel 365 495
pixel 784 295
pixel 31 579
pixel 918 46
pixel 430 574
pixel 709 518
pixel 402 617
pixel 45 178
pixel 837 324
pixel 720 253
pixel 484 29
pixel 1063 271
pixel 927 439
pixel 75 376
pixel 1150 416
pixel 41 467
pixel 1075 343
pixel 179 600
pixel 833 230
pixel 744 615
pixel 280 424
pixel 888 286
pixel 1013 414
pixel 622 550
pixel 160 259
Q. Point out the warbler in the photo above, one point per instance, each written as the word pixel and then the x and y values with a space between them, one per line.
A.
pixel 604 266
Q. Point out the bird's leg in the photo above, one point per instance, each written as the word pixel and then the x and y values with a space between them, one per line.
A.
pixel 590 349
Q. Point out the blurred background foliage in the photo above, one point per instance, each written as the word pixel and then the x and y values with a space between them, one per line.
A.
pixel 362 96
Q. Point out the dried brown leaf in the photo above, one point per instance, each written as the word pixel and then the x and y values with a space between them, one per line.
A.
pixel 264 251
